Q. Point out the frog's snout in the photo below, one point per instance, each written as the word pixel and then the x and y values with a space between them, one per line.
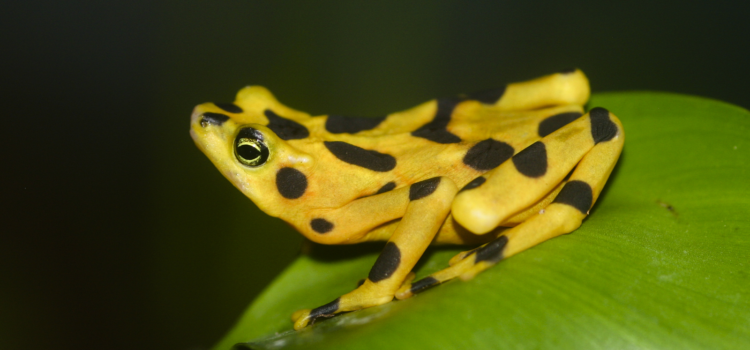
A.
pixel 205 125
pixel 209 118
pixel 204 119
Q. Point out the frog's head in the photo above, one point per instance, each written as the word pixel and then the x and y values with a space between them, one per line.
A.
pixel 247 141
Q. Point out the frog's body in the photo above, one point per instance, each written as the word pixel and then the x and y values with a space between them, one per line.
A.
pixel 341 180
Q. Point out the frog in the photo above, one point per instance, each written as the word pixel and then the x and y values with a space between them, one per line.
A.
pixel 501 170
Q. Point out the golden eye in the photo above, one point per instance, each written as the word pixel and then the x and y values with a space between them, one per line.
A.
pixel 249 148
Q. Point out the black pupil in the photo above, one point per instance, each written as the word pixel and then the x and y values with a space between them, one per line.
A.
pixel 248 152
pixel 249 147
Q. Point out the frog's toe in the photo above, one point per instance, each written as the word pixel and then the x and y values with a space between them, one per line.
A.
pixel 302 318
pixel 407 281
pixel 409 289
pixel 465 265
pixel 474 270
pixel 459 257
pixel 404 292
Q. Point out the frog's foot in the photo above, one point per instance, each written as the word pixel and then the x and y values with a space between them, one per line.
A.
pixel 304 317
pixel 465 265
pixel 460 256
pixel 556 219
pixel 369 294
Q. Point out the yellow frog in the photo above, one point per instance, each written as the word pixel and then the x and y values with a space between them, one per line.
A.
pixel 506 168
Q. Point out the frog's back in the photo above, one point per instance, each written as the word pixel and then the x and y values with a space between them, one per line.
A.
pixel 457 137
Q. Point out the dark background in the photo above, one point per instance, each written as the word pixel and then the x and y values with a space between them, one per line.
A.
pixel 119 234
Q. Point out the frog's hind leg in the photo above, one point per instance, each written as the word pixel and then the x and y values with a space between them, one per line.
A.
pixel 570 87
pixel 533 173
pixel 563 215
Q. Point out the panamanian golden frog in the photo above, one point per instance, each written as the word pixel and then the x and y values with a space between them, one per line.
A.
pixel 504 169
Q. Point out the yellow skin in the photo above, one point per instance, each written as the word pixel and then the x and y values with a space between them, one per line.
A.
pixel 340 180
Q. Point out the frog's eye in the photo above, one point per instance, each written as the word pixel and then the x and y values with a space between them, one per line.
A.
pixel 249 147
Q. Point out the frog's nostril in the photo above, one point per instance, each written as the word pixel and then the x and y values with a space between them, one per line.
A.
pixel 213 118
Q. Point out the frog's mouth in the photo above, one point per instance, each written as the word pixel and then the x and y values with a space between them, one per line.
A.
pixel 211 133
pixel 204 132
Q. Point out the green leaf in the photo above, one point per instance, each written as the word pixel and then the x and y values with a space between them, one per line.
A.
pixel 662 262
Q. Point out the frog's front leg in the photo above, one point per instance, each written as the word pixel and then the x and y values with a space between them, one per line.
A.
pixel 429 203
